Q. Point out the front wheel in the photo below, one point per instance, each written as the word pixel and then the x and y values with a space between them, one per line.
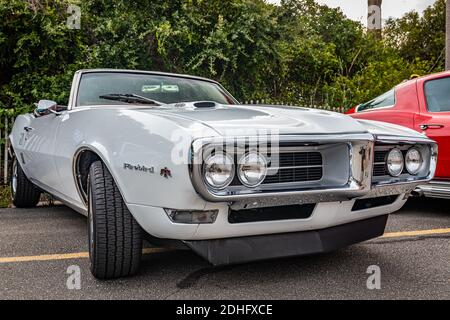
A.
pixel 115 238
pixel 24 193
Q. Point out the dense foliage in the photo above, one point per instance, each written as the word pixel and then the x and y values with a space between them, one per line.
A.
pixel 299 52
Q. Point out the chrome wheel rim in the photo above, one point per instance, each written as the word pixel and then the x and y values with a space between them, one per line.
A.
pixel 14 178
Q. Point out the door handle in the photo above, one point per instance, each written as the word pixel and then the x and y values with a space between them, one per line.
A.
pixel 28 129
pixel 431 126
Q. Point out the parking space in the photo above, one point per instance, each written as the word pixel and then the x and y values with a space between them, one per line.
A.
pixel 37 246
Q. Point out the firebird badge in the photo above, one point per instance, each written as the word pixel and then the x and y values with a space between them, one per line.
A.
pixel 139 168
pixel 165 172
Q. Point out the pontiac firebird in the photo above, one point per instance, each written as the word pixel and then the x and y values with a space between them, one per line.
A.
pixel 177 160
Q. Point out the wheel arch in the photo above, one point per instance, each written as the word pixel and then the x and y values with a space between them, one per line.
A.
pixel 82 160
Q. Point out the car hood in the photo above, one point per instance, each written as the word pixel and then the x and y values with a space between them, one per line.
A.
pixel 233 119
pixel 380 128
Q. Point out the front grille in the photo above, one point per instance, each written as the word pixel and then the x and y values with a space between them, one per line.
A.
pixel 292 167
pixel 271 214
pixel 295 175
pixel 295 167
pixel 292 159
pixel 380 156
pixel 379 166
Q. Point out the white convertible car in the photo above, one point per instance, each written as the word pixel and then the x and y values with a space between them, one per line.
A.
pixel 175 159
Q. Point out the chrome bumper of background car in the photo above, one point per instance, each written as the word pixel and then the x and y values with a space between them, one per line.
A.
pixel 359 184
pixel 435 189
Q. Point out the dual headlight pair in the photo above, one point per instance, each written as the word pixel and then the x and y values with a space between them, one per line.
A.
pixel 219 170
pixel 395 162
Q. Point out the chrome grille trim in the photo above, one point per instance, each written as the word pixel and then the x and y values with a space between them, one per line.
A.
pixel 360 184
pixel 351 179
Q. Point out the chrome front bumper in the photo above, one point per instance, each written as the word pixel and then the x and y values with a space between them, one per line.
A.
pixel 435 189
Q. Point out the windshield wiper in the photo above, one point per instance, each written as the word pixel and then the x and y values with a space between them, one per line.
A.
pixel 129 98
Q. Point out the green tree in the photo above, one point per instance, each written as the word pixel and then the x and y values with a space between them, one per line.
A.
pixel 37 52
pixel 420 37
pixel 299 52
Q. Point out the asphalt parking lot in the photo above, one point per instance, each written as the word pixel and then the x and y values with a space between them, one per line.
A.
pixel 37 246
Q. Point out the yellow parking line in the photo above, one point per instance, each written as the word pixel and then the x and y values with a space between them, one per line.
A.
pixel 154 250
pixel 65 256
pixel 415 233
pixel 46 257
pixel 83 255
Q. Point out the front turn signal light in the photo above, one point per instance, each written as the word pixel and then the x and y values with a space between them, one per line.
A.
pixel 192 216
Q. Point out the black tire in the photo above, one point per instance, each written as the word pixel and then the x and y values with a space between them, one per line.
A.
pixel 115 238
pixel 24 193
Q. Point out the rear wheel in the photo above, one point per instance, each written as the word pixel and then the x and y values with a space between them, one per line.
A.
pixel 23 192
pixel 115 238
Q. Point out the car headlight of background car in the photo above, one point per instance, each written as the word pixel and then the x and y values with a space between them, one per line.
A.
pixel 218 170
pixel 252 169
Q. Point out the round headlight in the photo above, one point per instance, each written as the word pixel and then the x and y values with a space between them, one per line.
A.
pixel 413 161
pixel 395 162
pixel 252 169
pixel 218 170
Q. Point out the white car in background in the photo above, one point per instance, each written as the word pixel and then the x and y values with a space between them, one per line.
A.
pixel 176 158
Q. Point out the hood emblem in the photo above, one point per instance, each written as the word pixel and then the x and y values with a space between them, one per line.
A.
pixel 165 172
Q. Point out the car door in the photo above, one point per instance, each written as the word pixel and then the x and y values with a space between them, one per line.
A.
pixel 434 118
pixel 38 150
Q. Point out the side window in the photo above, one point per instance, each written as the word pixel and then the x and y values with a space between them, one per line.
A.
pixel 387 99
pixel 437 93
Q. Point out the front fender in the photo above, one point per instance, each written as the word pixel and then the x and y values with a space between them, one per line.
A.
pixel 17 136
pixel 135 147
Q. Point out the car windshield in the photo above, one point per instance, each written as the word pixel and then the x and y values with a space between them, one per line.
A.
pixel 387 99
pixel 102 88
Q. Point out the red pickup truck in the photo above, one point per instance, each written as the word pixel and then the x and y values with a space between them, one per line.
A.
pixel 422 104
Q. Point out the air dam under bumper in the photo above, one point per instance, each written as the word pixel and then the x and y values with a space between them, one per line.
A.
pixel 253 248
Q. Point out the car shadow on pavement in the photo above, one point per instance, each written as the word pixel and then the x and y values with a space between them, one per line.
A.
pixel 427 206
pixel 305 269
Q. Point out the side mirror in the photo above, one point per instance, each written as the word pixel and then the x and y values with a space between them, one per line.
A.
pixel 44 107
